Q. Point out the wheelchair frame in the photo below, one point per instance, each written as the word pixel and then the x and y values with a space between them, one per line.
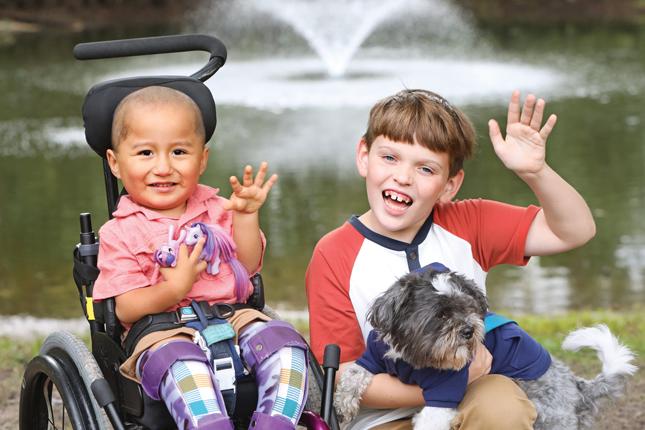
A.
pixel 88 385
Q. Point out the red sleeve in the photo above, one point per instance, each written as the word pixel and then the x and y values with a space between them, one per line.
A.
pixel 496 231
pixel 331 314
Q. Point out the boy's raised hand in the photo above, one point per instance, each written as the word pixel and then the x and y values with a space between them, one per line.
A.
pixel 249 196
pixel 524 149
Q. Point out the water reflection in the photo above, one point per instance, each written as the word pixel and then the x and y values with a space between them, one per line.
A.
pixel 48 176
pixel 630 255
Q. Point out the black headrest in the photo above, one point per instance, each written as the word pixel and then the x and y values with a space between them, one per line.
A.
pixel 102 99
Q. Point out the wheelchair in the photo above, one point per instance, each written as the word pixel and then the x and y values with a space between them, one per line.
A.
pixel 68 386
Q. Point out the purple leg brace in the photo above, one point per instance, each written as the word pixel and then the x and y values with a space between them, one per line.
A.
pixel 276 353
pixel 179 373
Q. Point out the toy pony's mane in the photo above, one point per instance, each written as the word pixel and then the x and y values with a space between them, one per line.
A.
pixel 218 240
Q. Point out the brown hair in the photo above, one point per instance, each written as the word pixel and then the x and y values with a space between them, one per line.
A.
pixel 152 95
pixel 426 118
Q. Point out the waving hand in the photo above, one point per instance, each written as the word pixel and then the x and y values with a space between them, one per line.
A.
pixel 251 194
pixel 523 151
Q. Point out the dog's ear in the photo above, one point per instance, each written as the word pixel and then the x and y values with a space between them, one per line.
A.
pixel 384 310
pixel 468 286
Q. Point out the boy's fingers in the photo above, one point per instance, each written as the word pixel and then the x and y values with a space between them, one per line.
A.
pixel 248 176
pixel 495 133
pixel 527 110
pixel 235 184
pixel 548 126
pixel 182 254
pixel 514 108
pixel 231 206
pixel 538 114
pixel 262 172
pixel 197 250
pixel 269 184
pixel 201 266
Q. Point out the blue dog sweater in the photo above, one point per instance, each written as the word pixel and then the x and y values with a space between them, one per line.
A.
pixel 515 354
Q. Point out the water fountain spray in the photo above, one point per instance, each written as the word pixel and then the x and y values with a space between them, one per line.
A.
pixel 335 29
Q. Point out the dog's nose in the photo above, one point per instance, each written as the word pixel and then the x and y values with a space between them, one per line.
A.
pixel 467 332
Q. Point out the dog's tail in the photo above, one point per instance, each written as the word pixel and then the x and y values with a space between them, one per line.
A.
pixel 616 361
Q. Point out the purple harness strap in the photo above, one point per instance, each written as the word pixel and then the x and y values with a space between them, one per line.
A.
pixel 158 362
pixel 274 336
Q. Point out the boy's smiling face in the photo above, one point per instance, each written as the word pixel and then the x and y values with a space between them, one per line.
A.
pixel 403 181
pixel 161 158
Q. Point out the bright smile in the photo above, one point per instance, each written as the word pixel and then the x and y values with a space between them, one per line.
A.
pixel 163 186
pixel 396 200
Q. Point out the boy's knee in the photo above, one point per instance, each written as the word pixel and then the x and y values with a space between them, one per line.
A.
pixel 263 340
pixel 495 402
pixel 156 363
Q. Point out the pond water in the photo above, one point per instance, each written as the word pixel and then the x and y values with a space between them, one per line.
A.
pixel 278 102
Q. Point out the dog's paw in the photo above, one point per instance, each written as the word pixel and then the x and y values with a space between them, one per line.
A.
pixel 350 388
pixel 432 418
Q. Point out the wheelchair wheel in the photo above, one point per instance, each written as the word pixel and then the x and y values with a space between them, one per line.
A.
pixel 53 396
pixel 84 362
pixel 55 389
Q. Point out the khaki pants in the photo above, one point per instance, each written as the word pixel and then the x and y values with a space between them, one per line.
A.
pixel 241 318
pixel 493 402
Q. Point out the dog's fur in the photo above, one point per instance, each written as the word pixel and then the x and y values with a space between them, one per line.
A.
pixel 435 319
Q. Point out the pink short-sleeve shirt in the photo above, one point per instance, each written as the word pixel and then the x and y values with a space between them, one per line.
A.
pixel 129 240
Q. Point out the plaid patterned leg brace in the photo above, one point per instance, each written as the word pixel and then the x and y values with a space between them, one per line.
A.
pixel 188 392
pixel 281 377
pixel 187 387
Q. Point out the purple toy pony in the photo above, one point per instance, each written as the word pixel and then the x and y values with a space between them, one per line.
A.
pixel 220 248
pixel 166 255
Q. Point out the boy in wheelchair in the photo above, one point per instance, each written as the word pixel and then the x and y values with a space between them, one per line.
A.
pixel 158 151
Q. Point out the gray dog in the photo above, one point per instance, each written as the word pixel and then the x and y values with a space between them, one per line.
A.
pixel 426 327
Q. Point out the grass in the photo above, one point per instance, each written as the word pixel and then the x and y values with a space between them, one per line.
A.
pixel 550 331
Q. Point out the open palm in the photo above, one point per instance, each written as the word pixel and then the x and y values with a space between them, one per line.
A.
pixel 249 196
pixel 523 151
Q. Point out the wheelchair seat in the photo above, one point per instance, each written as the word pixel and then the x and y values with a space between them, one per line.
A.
pixel 93 391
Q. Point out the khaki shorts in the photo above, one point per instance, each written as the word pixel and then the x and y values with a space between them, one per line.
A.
pixel 493 402
pixel 239 320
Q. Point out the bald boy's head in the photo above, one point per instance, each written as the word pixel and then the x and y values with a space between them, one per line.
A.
pixel 150 97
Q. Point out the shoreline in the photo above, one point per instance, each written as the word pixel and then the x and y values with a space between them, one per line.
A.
pixel 28 328
pixel 73 18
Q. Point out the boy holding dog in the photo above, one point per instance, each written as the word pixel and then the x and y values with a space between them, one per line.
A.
pixel 411 157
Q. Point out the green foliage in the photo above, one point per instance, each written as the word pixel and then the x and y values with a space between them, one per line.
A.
pixel 17 353
pixel 550 331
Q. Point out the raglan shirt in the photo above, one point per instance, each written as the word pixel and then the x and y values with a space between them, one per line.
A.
pixel 515 354
pixel 353 265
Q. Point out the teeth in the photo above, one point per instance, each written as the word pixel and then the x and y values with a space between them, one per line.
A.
pixel 396 197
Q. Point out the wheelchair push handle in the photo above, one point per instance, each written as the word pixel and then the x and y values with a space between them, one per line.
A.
pixel 331 362
pixel 331 357
pixel 88 247
pixel 158 45
pixel 87 234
